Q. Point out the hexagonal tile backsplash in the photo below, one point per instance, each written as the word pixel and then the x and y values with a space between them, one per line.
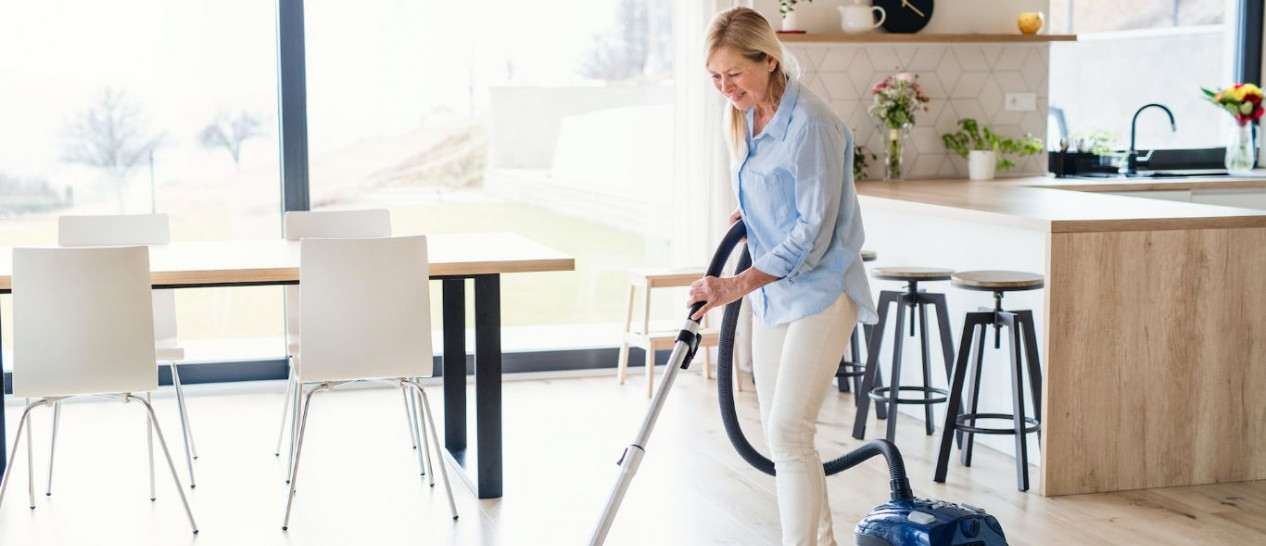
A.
pixel 968 80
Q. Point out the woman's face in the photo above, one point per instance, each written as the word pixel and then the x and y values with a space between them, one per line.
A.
pixel 743 81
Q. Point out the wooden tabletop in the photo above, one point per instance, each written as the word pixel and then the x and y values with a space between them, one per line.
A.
pixel 277 261
pixel 1058 205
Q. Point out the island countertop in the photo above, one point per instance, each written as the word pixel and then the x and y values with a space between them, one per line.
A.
pixel 1063 205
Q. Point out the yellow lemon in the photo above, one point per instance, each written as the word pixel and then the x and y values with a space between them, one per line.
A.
pixel 1030 22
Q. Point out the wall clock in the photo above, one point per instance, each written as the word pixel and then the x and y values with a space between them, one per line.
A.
pixel 906 16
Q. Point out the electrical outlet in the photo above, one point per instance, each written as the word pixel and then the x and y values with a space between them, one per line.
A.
pixel 1021 102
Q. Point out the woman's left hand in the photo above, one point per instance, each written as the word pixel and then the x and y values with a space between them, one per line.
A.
pixel 714 292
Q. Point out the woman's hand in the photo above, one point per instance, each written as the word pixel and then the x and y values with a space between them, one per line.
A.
pixel 736 218
pixel 714 292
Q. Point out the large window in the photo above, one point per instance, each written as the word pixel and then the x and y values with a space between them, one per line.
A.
pixel 137 106
pixel 551 120
pixel 1131 53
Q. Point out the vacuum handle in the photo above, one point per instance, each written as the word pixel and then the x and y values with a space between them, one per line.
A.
pixel 731 240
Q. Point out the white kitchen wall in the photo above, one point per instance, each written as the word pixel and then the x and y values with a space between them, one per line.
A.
pixel 962 81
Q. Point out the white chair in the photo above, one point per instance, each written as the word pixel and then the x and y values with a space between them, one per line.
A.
pixel 330 225
pixel 134 229
pixel 83 325
pixel 366 316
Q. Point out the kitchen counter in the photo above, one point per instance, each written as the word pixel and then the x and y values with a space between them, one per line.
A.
pixel 1047 204
pixel 1149 327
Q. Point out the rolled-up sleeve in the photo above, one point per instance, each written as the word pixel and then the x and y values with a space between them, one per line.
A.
pixel 820 151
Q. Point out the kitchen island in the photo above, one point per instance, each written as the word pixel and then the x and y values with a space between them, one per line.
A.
pixel 1152 324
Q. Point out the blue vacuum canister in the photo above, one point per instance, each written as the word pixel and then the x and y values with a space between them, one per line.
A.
pixel 923 522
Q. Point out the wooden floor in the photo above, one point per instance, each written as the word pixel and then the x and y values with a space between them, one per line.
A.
pixel 360 483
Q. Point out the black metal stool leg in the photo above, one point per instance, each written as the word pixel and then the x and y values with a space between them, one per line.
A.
pixel 894 380
pixel 955 397
pixel 872 365
pixel 1035 366
pixel 926 353
pixel 973 393
pixel 947 339
pixel 853 356
pixel 1017 401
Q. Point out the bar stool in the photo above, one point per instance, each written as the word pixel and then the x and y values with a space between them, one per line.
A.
pixel 912 298
pixel 1020 323
pixel 851 364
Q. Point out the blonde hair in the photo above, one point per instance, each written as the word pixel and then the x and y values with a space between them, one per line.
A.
pixel 747 32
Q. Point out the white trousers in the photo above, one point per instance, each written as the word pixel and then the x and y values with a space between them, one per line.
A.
pixel 794 364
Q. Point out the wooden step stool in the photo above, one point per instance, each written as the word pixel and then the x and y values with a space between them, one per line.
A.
pixel 652 341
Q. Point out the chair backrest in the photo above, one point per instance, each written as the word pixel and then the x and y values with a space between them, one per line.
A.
pixel 366 310
pixel 343 224
pixel 328 224
pixel 82 321
pixel 122 229
pixel 127 229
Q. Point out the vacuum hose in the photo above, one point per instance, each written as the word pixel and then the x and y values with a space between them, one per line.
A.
pixel 899 485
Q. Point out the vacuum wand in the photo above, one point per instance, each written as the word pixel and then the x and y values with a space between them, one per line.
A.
pixel 683 351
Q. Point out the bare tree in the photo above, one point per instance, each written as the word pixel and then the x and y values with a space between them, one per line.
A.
pixel 621 54
pixel 113 135
pixel 230 131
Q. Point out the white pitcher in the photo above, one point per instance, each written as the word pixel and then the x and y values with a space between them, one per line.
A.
pixel 859 17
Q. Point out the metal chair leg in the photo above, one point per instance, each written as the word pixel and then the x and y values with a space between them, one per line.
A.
pixel 1035 367
pixel 186 431
pixel 435 441
pixel 52 449
pixel 17 440
pixel 167 452
pixel 294 475
pixel 1017 403
pixel 413 427
pixel 294 428
pixel 408 415
pixel 421 432
pixel 285 409
pixel 30 465
pixel 149 441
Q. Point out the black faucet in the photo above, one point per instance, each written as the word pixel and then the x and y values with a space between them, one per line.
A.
pixel 1133 161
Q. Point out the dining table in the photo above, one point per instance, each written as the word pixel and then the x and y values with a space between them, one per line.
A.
pixel 453 259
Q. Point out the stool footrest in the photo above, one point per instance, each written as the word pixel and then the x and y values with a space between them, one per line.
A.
pixel 850 369
pixel 941 395
pixel 960 423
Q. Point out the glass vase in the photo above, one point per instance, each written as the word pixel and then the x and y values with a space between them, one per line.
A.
pixel 1241 153
pixel 894 151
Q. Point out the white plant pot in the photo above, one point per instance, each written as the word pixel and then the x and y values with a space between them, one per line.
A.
pixel 981 164
pixel 789 21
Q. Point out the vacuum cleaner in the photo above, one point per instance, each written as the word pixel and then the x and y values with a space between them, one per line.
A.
pixel 903 521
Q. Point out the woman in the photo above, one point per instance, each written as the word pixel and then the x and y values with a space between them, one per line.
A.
pixel 792 175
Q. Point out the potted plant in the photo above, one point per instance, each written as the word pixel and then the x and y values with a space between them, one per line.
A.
pixel 788 10
pixel 983 149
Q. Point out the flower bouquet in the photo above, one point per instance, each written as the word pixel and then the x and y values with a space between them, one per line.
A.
pixel 896 100
pixel 1244 102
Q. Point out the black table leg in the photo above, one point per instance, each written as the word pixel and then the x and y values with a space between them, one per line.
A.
pixel 4 443
pixel 488 384
pixel 454 312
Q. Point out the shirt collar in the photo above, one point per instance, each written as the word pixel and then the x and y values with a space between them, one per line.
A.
pixel 777 127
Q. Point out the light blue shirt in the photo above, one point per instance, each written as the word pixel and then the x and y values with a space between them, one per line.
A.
pixel 795 192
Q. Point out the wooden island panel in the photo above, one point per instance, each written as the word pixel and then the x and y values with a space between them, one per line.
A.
pixel 1156 346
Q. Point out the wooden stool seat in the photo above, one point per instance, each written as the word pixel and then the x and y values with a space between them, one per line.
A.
pixel 651 341
pixel 997 281
pixel 869 255
pixel 910 273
